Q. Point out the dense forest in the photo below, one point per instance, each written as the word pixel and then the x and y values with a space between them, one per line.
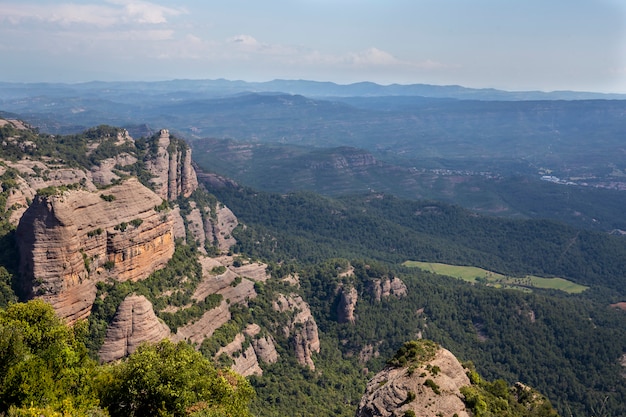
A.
pixel 568 346
pixel 306 227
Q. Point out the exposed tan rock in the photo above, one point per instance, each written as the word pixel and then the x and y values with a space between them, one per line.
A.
pixel 179 225
pixel 224 283
pixel 256 271
pixel 220 230
pixel 102 174
pixel 133 324
pixel 245 362
pixel 387 394
pixel 292 279
pixel 302 327
pixel 171 166
pixel 265 349
pixel 66 240
pixel 368 352
pixel 384 288
pixel 204 327
pixel 195 225
pixel 348 298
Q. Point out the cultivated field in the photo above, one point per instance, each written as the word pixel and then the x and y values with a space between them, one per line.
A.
pixel 493 279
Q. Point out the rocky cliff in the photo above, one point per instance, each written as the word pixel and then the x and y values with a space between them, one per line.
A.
pixel 348 298
pixel 71 239
pixel 397 390
pixel 247 356
pixel 133 324
pixel 301 327
pixel 386 287
pixel 170 164
pixel 424 379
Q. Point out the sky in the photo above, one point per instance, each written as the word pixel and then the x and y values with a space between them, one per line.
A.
pixel 506 44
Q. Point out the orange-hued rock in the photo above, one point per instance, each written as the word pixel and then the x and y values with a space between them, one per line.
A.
pixel 134 323
pixel 72 240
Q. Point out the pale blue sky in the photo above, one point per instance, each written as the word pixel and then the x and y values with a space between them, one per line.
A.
pixel 508 44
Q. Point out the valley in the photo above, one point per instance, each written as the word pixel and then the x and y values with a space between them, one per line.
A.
pixel 274 239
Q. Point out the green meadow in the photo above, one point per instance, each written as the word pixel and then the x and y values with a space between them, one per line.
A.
pixel 493 279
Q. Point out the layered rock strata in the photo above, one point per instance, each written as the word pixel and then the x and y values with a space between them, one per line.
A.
pixel 133 324
pixel 71 240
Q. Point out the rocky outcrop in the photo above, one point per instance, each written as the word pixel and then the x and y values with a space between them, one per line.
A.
pixel 204 327
pixel 133 324
pixel 385 287
pixel 229 283
pixel 301 327
pixel 348 298
pixel 396 390
pixel 245 361
pixel 104 172
pixel 72 239
pixel 220 230
pixel 171 167
pixel 246 356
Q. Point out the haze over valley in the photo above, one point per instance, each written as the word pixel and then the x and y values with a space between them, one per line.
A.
pixel 312 208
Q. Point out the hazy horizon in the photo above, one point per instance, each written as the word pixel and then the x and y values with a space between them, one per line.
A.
pixel 575 45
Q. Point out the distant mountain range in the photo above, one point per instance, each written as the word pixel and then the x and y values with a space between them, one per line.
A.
pixel 222 87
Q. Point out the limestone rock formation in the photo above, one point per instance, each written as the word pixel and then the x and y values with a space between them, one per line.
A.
pixel 302 327
pixel 246 360
pixel 71 240
pixel 220 230
pixel 395 390
pixel 204 327
pixel 348 298
pixel 103 173
pixel 385 287
pixel 171 166
pixel 133 324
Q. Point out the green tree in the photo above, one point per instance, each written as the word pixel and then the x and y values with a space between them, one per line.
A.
pixel 43 363
pixel 170 379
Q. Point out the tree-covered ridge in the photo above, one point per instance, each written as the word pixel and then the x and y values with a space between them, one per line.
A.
pixel 45 370
pixel 305 227
pixel 566 347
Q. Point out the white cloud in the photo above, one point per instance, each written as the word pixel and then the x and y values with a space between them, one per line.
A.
pixel 372 56
pixel 146 12
pixel 114 13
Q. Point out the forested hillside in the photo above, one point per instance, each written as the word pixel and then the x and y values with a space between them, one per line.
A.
pixel 566 346
pixel 305 295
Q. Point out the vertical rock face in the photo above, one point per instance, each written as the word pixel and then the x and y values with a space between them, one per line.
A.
pixel 388 393
pixel 384 288
pixel 171 166
pixel 347 303
pixel 302 327
pixel 133 324
pixel 70 241
pixel 219 230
